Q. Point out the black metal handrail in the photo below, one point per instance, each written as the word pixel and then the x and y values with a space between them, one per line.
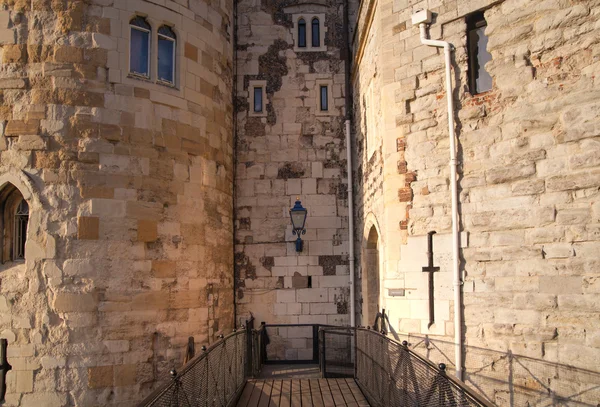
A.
pixel 213 378
pixel 390 374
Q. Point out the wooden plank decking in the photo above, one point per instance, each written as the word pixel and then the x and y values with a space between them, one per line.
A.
pixel 302 393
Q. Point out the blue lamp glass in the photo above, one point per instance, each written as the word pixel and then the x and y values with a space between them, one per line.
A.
pixel 298 216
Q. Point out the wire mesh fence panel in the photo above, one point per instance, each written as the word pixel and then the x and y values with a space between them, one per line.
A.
pixel 289 343
pixel 391 375
pixel 257 351
pixel 337 352
pixel 212 379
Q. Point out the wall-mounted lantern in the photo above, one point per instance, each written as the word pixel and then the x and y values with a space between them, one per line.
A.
pixel 298 215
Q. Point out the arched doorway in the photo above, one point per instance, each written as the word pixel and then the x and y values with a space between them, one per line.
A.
pixel 371 278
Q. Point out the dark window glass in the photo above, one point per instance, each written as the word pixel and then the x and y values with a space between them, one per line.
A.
pixel 166 54
pixel 301 33
pixel 479 79
pixel 258 100
pixel 316 35
pixel 324 99
pixel 139 47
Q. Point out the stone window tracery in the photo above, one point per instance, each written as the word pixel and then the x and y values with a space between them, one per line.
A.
pixel 15 218
pixel 139 47
pixel 311 38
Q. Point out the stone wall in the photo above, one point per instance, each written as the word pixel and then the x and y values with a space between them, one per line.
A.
pixel 129 183
pixel 292 150
pixel 528 178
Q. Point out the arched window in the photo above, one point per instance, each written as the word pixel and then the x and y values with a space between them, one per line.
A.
pixel 316 32
pixel 139 47
pixel 301 33
pixel 15 217
pixel 166 54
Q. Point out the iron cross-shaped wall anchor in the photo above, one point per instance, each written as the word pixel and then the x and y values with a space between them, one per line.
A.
pixel 430 269
pixel 4 368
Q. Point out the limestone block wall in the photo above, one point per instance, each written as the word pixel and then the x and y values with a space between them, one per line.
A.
pixel 129 184
pixel 528 179
pixel 382 179
pixel 290 150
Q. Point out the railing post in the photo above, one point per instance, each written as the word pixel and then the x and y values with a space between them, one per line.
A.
pixel 263 343
pixel 315 336
pixel 249 367
pixel 324 356
pixel 355 337
pixel 207 381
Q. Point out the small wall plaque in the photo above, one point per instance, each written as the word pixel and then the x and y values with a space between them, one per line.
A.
pixel 396 292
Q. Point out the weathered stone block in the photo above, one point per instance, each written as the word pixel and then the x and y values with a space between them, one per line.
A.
pixel 68 54
pixel 147 231
pixel 561 285
pixel 150 301
pixel 68 302
pixel 125 375
pixel 405 194
pixel 24 381
pixel 88 228
pixel 18 127
pixel 30 142
pixel 509 173
pixel 44 399
pixel 580 180
pixel 163 269
pixel 100 377
pixel 14 54
pixel 190 51
pixel 299 281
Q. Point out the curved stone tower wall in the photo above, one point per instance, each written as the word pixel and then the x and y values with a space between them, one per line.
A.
pixel 129 183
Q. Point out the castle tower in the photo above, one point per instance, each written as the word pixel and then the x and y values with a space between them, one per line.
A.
pixel 117 178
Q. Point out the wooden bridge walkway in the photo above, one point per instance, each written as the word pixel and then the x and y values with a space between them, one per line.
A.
pixel 302 393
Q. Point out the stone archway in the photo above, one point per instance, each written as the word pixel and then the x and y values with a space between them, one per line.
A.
pixel 371 277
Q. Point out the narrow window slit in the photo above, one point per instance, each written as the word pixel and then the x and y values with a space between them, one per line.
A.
pixel 301 33
pixel 316 34
pixel 479 78
pixel 324 98
pixel 21 220
pixel 258 100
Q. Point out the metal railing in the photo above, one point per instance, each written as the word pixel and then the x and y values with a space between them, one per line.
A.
pixel 214 378
pixel 389 373
pixel 290 343
pixel 256 350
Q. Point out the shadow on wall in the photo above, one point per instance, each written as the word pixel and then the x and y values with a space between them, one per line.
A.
pixel 508 379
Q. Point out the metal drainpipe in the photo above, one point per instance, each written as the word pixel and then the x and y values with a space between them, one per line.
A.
pixel 350 227
pixel 458 343
pixel 347 66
